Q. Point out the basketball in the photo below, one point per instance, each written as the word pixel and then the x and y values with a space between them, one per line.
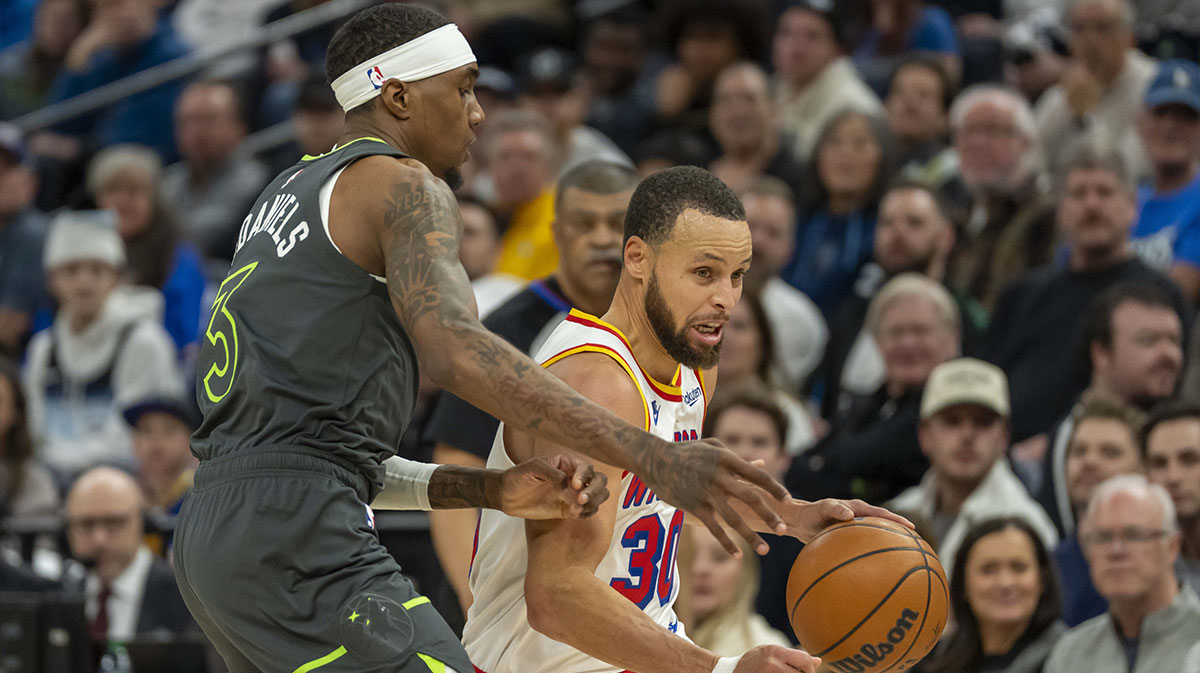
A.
pixel 867 596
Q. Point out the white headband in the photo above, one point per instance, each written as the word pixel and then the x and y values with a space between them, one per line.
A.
pixel 433 53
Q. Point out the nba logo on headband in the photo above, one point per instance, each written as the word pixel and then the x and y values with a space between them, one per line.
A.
pixel 376 77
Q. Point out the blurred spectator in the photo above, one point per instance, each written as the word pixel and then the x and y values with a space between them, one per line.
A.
pixel 1101 90
pixel 549 85
pixel 1170 443
pixel 799 330
pixel 753 426
pixel 16 19
pixel 742 120
pixel 872 450
pixel 918 102
pixel 589 229
pixel 105 349
pixel 667 148
pixel 851 164
pixel 815 80
pixel 122 37
pixel 1008 226
pixel 523 157
pixel 22 234
pixel 162 429
pixel 220 23
pixel 1033 60
pixel 913 235
pixel 964 431
pixel 614 56
pixel 478 251
pixel 317 123
pixel 703 36
pixel 1167 233
pixel 501 30
pixel 128 591
pixel 26 488
pixel 214 186
pixel 747 354
pixel 1035 327
pixel 28 68
pixel 1102 445
pixel 1133 344
pixel 722 590
pixel 900 27
pixel 285 63
pixel 1131 542
pixel 1169 29
pixel 1005 599
pixel 126 179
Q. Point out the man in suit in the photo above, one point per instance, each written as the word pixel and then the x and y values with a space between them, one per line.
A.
pixel 128 591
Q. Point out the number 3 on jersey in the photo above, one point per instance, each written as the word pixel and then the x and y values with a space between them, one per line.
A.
pixel 652 561
pixel 219 379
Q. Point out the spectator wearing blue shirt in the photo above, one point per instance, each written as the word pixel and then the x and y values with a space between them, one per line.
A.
pixel 124 37
pixel 897 29
pixel 1167 233
pixel 127 179
pixel 836 234
pixel 22 235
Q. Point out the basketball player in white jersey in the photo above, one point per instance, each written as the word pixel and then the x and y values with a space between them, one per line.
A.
pixel 596 596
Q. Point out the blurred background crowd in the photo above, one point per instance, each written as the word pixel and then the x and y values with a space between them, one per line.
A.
pixel 976 230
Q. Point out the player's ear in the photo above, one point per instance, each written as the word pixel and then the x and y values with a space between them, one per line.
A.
pixel 397 98
pixel 639 258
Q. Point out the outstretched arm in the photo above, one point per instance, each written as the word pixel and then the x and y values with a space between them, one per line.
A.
pixel 418 226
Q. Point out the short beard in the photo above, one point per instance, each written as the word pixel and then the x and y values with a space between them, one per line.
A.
pixel 454 178
pixel 675 342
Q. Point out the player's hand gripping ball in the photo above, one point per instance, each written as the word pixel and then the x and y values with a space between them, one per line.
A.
pixel 867 596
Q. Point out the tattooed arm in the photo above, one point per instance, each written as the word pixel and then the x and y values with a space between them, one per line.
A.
pixel 417 228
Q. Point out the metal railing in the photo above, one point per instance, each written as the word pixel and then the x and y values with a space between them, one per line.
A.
pixel 185 66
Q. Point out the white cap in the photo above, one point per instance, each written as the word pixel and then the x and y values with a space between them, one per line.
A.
pixel 965 381
pixel 83 234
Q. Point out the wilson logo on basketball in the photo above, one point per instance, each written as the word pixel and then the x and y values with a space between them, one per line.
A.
pixel 869 655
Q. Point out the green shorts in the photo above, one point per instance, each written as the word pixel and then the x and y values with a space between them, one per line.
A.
pixel 278 561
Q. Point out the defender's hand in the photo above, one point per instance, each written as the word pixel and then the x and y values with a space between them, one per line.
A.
pixel 559 487
pixel 701 476
pixel 777 659
pixel 805 519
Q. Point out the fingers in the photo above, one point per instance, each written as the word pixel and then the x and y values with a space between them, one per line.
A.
pixel 736 522
pixel 752 496
pixel 709 519
pixel 777 659
pixel 860 508
pixel 594 494
pixel 754 475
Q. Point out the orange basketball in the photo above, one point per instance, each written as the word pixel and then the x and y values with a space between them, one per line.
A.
pixel 867 596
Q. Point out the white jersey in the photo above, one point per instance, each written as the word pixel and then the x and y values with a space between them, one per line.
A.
pixel 640 561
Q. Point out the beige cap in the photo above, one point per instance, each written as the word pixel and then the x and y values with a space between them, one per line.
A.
pixel 965 381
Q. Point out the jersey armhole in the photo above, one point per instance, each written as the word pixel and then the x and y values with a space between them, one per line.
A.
pixel 324 197
pixel 605 350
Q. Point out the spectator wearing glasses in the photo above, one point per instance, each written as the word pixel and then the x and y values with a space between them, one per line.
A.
pixel 1131 540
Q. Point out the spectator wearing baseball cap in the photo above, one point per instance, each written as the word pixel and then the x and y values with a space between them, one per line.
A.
pixel 1167 232
pixel 22 235
pixel 105 349
pixel 814 78
pixel 964 431
pixel 161 432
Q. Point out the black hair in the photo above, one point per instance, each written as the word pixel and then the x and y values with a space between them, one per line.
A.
pixel 742 20
pixel 1172 410
pixel 375 30
pixel 236 91
pixel 964 648
pixel 597 176
pixel 818 192
pixel 908 183
pixel 663 196
pixel 1098 319
pixel 932 64
pixel 676 146
pixel 754 397
pixel 833 12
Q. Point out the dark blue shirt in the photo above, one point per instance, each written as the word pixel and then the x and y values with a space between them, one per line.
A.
pixel 144 118
pixel 1080 601
pixel 830 250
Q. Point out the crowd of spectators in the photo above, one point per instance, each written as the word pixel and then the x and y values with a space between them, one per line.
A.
pixel 976 231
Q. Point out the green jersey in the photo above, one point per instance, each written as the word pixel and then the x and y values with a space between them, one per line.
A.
pixel 303 348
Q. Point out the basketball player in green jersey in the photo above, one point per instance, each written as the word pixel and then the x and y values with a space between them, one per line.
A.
pixel 345 276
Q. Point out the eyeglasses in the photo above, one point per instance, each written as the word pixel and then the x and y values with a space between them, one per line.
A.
pixel 1129 536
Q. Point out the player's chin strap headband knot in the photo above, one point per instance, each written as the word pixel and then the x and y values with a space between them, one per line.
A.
pixel 433 53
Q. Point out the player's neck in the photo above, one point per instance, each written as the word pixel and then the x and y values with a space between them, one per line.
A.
pixel 629 315
pixel 362 127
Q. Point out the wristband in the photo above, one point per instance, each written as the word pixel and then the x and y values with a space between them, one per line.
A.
pixel 405 485
pixel 726 664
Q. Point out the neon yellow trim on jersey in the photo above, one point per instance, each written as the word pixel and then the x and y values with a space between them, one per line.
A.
pixel 309 157
pixel 228 342
pixel 317 663
pixel 434 665
pixel 598 348
pixel 419 600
